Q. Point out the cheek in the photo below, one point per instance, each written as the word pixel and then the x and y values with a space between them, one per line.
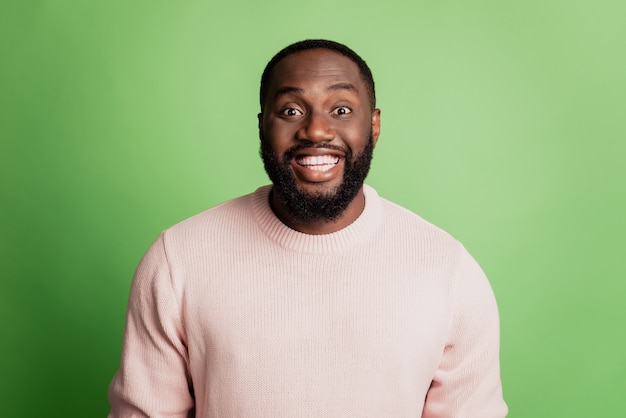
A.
pixel 277 132
pixel 357 134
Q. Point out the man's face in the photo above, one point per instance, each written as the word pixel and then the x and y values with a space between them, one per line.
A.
pixel 317 133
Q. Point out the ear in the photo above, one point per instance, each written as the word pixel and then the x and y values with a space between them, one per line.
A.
pixel 260 122
pixel 375 125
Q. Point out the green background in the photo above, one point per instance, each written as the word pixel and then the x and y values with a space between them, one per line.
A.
pixel 502 122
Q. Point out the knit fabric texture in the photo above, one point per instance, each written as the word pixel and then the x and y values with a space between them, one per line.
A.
pixel 233 314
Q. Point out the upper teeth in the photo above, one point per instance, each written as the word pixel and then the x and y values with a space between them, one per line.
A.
pixel 310 160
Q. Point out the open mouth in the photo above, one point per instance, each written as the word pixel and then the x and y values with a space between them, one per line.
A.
pixel 318 162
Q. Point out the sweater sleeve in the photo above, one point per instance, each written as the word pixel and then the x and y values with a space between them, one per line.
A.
pixel 467 382
pixel 153 379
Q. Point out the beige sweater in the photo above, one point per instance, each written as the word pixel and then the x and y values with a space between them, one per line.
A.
pixel 233 314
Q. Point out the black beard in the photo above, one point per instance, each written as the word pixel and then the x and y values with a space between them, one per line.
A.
pixel 312 207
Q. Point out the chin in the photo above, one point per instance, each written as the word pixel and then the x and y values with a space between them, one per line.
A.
pixel 312 203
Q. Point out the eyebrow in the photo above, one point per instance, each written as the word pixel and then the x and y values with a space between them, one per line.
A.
pixel 287 90
pixel 297 90
pixel 343 86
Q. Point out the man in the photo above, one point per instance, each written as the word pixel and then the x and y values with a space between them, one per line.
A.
pixel 313 297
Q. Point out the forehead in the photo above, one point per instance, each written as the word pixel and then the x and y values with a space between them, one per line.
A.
pixel 315 66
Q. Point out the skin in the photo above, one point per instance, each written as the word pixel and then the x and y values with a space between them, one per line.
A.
pixel 317 97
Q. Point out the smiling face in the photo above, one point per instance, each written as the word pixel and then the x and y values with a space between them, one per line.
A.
pixel 317 134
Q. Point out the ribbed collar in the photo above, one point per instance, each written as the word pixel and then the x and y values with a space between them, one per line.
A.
pixel 355 233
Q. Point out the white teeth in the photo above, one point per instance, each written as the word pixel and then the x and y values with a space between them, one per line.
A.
pixel 320 167
pixel 318 162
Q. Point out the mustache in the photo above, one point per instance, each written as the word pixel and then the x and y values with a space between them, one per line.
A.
pixel 289 154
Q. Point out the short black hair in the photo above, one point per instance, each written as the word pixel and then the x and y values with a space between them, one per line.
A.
pixel 308 44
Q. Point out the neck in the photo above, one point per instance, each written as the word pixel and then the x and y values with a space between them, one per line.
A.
pixel 352 212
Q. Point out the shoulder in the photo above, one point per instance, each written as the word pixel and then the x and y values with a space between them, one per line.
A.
pixel 223 216
pixel 427 245
pixel 410 226
pixel 213 229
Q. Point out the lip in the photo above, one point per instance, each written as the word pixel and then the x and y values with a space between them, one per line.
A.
pixel 319 151
pixel 319 173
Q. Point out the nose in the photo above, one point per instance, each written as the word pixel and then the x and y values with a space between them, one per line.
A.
pixel 316 127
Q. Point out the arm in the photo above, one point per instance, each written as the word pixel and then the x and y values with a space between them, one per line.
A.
pixel 467 383
pixel 153 380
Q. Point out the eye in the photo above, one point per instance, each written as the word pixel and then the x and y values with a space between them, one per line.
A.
pixel 291 111
pixel 342 110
